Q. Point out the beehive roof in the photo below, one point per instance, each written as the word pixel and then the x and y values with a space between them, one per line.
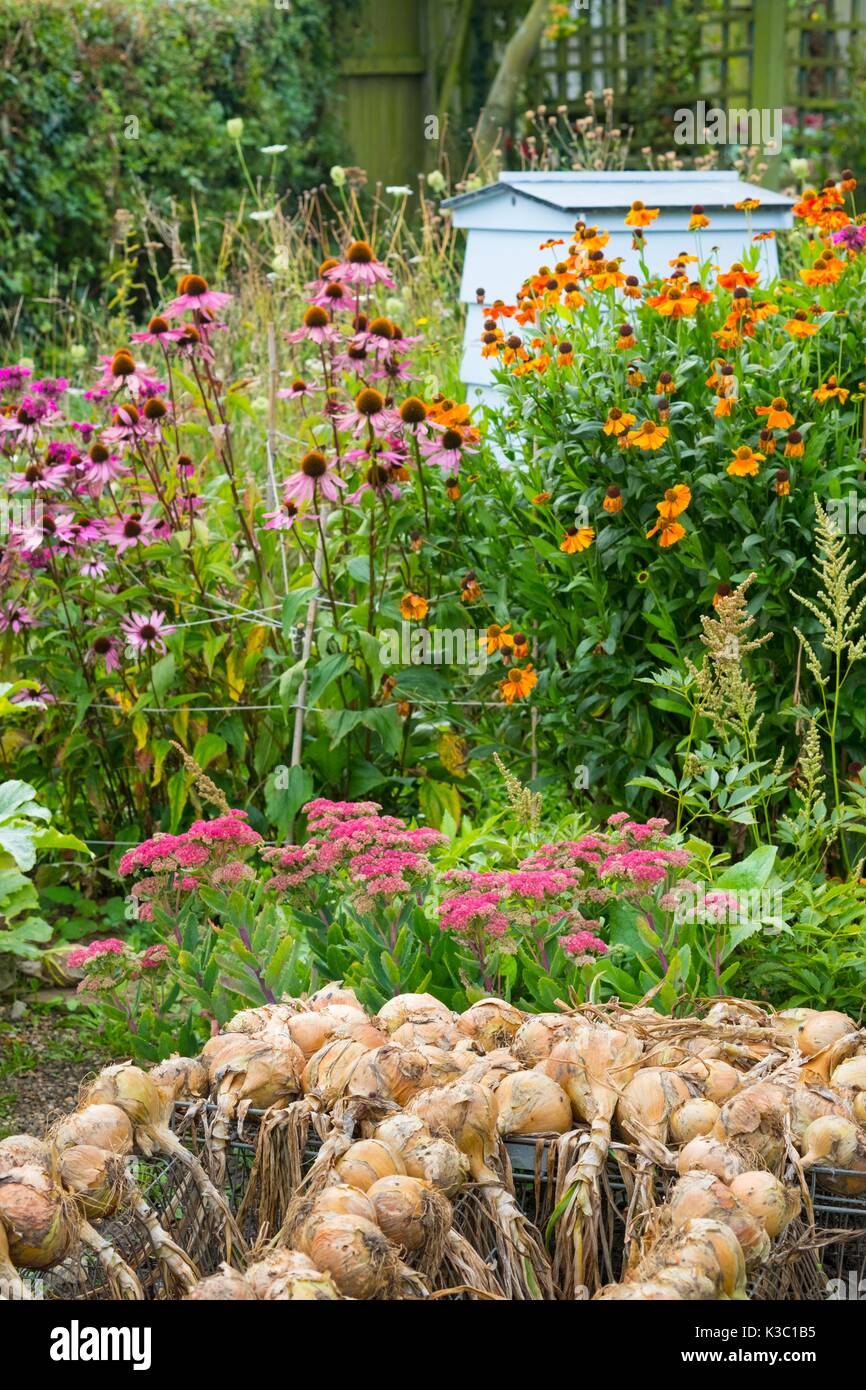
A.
pixel 617 188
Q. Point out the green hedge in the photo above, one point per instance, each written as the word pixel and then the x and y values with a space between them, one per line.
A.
pixel 73 71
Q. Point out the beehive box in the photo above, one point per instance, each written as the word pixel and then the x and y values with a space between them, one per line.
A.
pixel 507 221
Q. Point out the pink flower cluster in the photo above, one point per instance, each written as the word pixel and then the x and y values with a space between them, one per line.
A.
pixel 534 883
pixel 86 955
pixel 215 850
pixel 643 866
pixel 473 914
pixel 580 942
pixel 375 856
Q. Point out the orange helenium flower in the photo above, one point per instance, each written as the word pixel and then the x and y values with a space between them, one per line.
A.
pixel 518 683
pixel 577 538
pixel 745 463
pixel 649 435
pixel 413 607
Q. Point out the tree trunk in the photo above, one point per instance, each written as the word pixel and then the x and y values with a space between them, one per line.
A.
pixel 499 107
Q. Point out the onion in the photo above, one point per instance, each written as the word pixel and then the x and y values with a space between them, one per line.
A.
pixel 790 1021
pixel 692 1119
pixel 851 1073
pixel 311 1030
pixel 528 1102
pixel 491 1023
pixel 254 1022
pixel 810 1103
pixel 102 1126
pixel 491 1067
pixel 699 1196
pixel 415 1217
pixel 38 1218
pixel 95 1177
pixel 180 1078
pixel 345 1015
pixel 344 1200
pixel 534 1038
pixel 769 1201
pixel 647 1102
pixel 331 994
pixel 289 1276
pixel 227 1286
pixel 438 1161
pixel 704 1249
pixel 390 1072
pixel 466 1111
pixel 710 1156
pixel 328 1070
pixel 754 1119
pixel 356 1254
pixel 22 1150
pixel 366 1161
pixel 858 1108
pixel 365 1033
pixel 822 1030
pixel 433 1028
pixel 396 1011
pixel 718 1080
pixel 831 1142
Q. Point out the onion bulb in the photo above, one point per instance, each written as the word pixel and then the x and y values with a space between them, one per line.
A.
pixel 366 1161
pixel 394 1012
pixel 831 1142
pixel 414 1216
pixel 331 994
pixel 390 1072
pixel 23 1150
pixel 710 1155
pixel 851 1073
pixel 699 1196
pixel 102 1126
pixel 358 1256
pixel 226 1286
pixel 754 1119
pixel 491 1023
pixel 311 1030
pixel 180 1078
pixel 769 1201
pixel 647 1102
pixel 528 1102
pixel 692 1119
pixel 289 1276
pixel 95 1178
pixel 822 1030
pixel 38 1218
pixel 328 1070
pixel 344 1200
pixel 718 1080
pixel 790 1021
pixel 437 1160
pixel 434 1028
pixel 534 1038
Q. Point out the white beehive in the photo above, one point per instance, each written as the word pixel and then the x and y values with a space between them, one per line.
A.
pixel 507 221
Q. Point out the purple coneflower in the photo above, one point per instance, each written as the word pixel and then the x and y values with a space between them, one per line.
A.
pixel 447 450
pixel 15 617
pixel 360 267
pixel 134 528
pixel 315 475
pixel 146 633
pixel 159 332
pixel 105 649
pixel 316 327
pixel 195 295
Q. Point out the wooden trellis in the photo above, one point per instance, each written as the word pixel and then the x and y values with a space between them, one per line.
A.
pixel 805 56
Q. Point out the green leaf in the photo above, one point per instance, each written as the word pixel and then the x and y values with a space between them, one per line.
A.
pixel 208 747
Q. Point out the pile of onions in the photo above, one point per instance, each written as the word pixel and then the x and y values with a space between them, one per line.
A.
pixel 414 1216
pixel 490 1023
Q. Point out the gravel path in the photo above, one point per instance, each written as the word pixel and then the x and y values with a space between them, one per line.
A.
pixel 43 1057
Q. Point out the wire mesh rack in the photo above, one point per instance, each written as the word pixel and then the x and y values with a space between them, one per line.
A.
pixel 821 1257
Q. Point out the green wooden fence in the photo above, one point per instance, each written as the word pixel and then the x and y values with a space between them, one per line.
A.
pixel 659 55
